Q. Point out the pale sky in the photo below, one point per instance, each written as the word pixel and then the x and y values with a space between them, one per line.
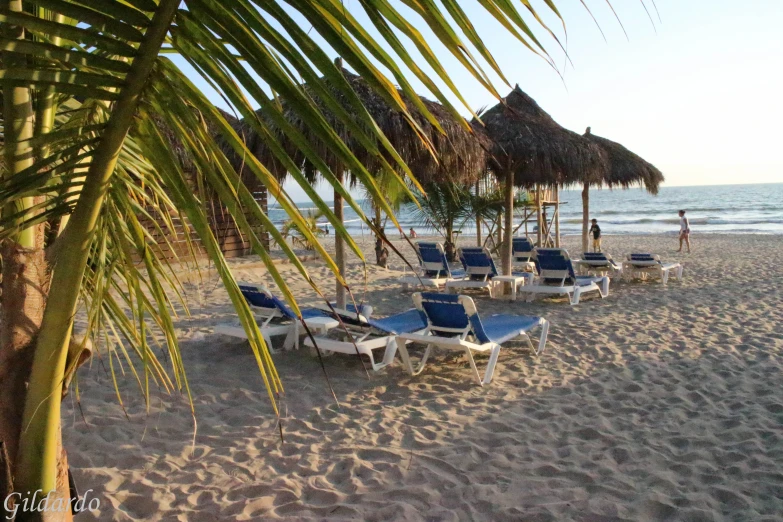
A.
pixel 700 95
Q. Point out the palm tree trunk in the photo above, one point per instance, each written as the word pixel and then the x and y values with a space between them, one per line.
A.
pixel 509 225
pixel 585 216
pixel 339 246
pixel 37 467
pixel 478 218
pixel 25 278
pixel 381 252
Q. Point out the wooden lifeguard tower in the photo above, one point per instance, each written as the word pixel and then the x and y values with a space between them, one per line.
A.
pixel 543 212
pixel 538 217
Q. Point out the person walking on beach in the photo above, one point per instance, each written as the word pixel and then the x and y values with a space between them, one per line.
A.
pixel 595 231
pixel 685 231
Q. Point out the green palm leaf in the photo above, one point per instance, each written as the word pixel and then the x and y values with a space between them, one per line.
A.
pixel 84 82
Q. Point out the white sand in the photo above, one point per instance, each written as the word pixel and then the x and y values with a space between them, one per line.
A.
pixel 657 403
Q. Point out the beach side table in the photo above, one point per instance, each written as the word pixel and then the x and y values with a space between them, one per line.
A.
pixel 513 280
pixel 319 326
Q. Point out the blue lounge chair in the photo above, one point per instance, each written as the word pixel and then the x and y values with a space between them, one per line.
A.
pixel 556 276
pixel 268 308
pixel 642 266
pixel 453 322
pixel 523 253
pixel 434 269
pixel 480 271
pixel 599 263
pixel 366 335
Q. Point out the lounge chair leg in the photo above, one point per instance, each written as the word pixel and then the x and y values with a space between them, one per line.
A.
pixel 664 276
pixel 493 359
pixel 292 337
pixel 388 355
pixel 679 272
pixel 529 342
pixel 544 333
pixel 473 365
pixel 406 359
pixel 605 287
pixel 575 298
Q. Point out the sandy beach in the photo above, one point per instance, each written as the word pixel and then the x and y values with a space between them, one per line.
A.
pixel 656 403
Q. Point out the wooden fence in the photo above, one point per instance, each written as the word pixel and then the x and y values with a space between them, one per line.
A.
pixel 232 243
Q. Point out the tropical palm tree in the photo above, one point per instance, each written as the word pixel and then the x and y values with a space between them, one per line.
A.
pixel 292 231
pixel 84 86
pixel 445 208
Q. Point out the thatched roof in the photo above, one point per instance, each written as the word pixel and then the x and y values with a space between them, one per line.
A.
pixel 461 153
pixel 625 167
pixel 537 149
pixel 187 162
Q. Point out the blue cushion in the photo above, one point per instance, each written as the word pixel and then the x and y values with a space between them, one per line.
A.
pixel 263 300
pixel 405 322
pixel 498 328
pixel 478 258
pixel 444 310
pixel 521 244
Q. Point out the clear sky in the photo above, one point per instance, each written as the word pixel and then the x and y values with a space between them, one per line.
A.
pixel 700 95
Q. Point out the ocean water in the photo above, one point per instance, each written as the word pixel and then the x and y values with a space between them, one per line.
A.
pixel 728 209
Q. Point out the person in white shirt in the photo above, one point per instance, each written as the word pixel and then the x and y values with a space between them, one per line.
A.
pixel 685 231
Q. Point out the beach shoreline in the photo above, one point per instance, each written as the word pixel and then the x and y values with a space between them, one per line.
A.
pixel 656 403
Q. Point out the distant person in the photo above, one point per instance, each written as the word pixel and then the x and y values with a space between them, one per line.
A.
pixel 685 231
pixel 413 233
pixel 326 229
pixel 595 231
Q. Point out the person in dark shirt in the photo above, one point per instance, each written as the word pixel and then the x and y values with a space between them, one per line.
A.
pixel 595 231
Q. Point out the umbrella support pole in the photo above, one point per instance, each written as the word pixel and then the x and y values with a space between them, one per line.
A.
pixel 339 246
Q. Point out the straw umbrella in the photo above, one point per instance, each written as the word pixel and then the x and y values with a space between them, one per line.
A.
pixel 461 154
pixel 530 149
pixel 624 169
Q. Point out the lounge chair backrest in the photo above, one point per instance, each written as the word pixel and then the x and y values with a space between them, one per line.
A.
pixel 555 267
pixel 477 261
pixel 562 252
pixel 598 259
pixel 450 314
pixel 262 300
pixel 644 259
pixel 522 249
pixel 433 260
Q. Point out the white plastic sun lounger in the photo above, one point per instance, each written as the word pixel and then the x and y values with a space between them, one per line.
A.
pixel 523 254
pixel 480 271
pixel 434 270
pixel 642 266
pixel 268 308
pixel 556 276
pixel 598 263
pixel 453 323
pixel 366 335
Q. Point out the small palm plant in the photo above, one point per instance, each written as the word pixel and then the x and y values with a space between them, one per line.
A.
pixel 301 234
pixel 445 208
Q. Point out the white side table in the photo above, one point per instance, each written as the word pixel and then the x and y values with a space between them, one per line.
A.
pixel 319 325
pixel 512 280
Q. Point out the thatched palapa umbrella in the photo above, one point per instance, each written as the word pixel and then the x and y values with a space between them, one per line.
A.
pixel 461 155
pixel 624 169
pixel 530 149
